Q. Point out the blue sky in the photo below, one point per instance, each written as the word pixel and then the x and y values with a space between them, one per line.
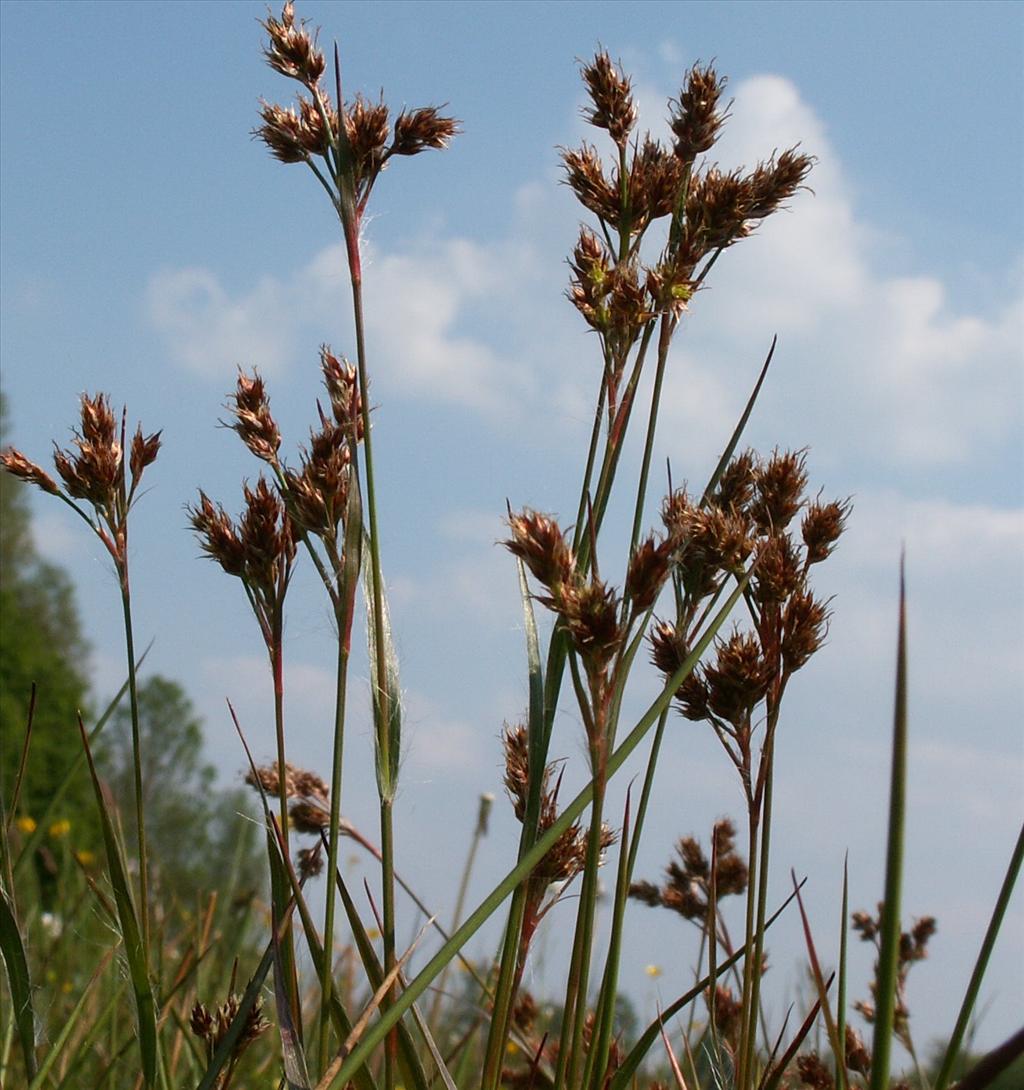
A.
pixel 150 246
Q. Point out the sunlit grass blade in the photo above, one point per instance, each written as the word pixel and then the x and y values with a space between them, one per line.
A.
pixel 677 1073
pixel 84 1049
pixel 973 987
pixel 18 981
pixel 33 841
pixel 533 856
pixel 54 1051
pixel 135 951
pixel 889 931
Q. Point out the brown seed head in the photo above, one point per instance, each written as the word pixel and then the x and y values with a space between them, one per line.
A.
pixel 779 487
pixel 610 92
pixel 738 679
pixel 517 766
pixel 19 466
pixel 367 127
pixel 646 892
pixel 342 384
pixel 291 50
pixel 313 135
pixel 585 176
pixel 309 816
pixel 716 209
pixel 144 451
pixel 420 129
pixel 254 423
pixel 285 134
pixel 695 119
pixel 773 182
pixel 736 485
pixel 778 572
pixel 727 1010
pixel 539 542
pixel 266 534
pixel 804 629
pixel 655 181
pixel 858 1058
pixel 201 1022
pixel 822 526
pixel 217 535
pixel 311 862
pixel 813 1072
pixel 648 570
pixel 93 472
pixel 590 281
pixel 591 613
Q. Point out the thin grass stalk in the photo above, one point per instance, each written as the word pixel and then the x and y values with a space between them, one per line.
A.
pixel 543 843
pixel 668 326
pixel 762 891
pixel 747 1027
pixel 585 924
pixel 140 809
pixel 327 965
pixel 888 957
pixel 970 996
pixel 604 1014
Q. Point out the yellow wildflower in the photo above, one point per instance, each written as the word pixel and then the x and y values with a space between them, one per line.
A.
pixel 653 970
pixel 26 825
pixel 60 828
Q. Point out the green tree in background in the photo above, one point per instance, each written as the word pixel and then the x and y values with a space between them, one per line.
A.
pixel 40 641
pixel 194 829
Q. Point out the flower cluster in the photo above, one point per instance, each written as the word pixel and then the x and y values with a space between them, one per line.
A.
pixel 347 145
pixel 95 472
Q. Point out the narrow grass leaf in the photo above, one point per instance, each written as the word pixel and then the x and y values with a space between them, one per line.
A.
pixel 291 1042
pixel 19 779
pixel 842 1078
pixel 889 940
pixel 677 1073
pixel 135 951
pixel 993 1064
pixel 18 981
pixel 971 995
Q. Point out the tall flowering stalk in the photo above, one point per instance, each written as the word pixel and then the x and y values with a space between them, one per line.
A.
pixel 347 146
pixel 100 484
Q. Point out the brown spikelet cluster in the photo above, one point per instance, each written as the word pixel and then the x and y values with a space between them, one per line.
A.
pixel 748 519
pixel 708 210
pixel 353 141
pixel 696 119
pixel 309 811
pixel 259 548
pixel 253 422
pixel 566 858
pixel 211 1027
pixel 687 889
pixel 95 471
pixel 727 1011
pixel 913 947
pixel 612 106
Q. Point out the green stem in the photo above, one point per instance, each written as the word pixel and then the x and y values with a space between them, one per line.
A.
pixel 585 924
pixel 327 965
pixel 140 818
pixel 664 340
pixel 748 1025
pixel 387 851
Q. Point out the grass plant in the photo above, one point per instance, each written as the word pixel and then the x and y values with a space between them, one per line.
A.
pixel 246 989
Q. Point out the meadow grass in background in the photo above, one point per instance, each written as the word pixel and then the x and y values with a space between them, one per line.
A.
pixel 118 977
